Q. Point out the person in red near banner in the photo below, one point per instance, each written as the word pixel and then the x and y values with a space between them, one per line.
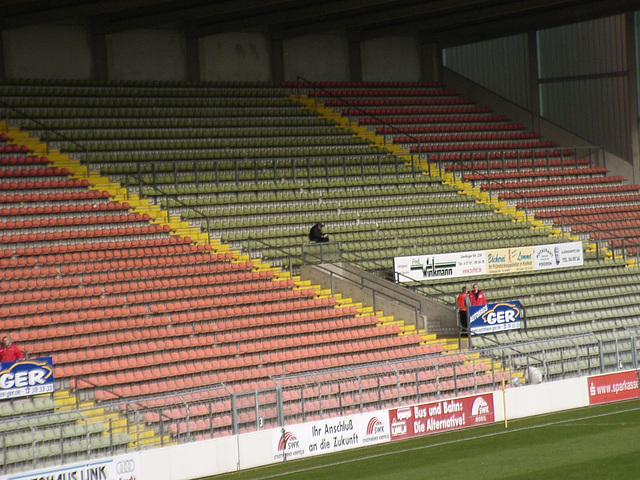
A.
pixel 464 302
pixel 10 352
pixel 477 296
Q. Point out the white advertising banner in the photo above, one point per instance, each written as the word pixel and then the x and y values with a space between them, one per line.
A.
pixel 418 268
pixel 445 265
pixel 558 255
pixel 330 435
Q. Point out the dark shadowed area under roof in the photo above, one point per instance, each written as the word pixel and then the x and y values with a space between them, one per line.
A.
pixel 445 22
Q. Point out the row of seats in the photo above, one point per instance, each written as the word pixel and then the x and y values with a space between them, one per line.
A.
pixel 307 131
pixel 432 119
pixel 76 220
pixel 101 126
pixel 46 197
pixel 72 234
pixel 48 101
pixel 574 192
pixel 548 173
pixel 497 145
pixel 209 143
pixel 382 93
pixel 281 109
pixel 571 201
pixel 562 158
pixel 99 206
pixel 623 210
pixel 22 160
pixel 539 183
pixel 35 172
pixel 362 84
pixel 20 149
pixel 443 110
pixel 470 137
pixel 441 129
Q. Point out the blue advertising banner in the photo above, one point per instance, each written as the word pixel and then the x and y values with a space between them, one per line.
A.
pixel 26 377
pixel 495 317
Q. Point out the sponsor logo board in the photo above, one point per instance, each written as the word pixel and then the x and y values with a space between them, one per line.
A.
pixel 26 377
pixel 509 260
pixel 441 416
pixel 331 435
pixel 495 317
pixel 558 255
pixel 612 387
pixel 447 265
pixel 487 262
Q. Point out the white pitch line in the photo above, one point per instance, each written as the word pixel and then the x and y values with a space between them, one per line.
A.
pixel 439 444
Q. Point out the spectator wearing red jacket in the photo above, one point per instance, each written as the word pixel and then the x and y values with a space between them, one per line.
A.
pixel 463 301
pixel 10 352
pixel 477 296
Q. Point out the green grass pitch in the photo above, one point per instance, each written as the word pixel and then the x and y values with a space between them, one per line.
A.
pixel 601 442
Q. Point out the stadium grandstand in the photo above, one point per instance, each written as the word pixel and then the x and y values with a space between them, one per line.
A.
pixel 159 177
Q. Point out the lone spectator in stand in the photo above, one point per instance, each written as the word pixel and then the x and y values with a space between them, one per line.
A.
pixel 477 296
pixel 464 302
pixel 316 235
pixel 10 352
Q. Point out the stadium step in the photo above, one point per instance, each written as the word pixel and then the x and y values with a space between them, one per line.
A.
pixel 452 345
pixel 65 399
pixel 429 338
pixel 407 329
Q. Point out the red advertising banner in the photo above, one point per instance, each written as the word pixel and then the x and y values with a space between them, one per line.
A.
pixel 441 416
pixel 613 387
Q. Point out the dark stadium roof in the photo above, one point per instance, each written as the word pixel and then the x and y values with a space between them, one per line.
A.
pixel 446 22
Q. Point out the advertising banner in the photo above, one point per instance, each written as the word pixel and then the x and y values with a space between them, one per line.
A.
pixel 509 260
pixel 558 255
pixel 122 467
pixel 417 268
pixel 446 265
pixel 613 387
pixel 26 377
pixel 495 317
pixel 441 416
pixel 330 435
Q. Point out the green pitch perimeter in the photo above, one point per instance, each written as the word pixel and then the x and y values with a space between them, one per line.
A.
pixel 600 442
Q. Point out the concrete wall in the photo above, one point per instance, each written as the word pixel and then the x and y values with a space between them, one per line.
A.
pixel 316 57
pixel 65 52
pixel 147 55
pixel 391 59
pixel 47 51
pixel 239 57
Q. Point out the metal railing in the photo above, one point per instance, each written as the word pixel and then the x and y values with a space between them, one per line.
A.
pixel 327 252
pixel 587 354
pixel 378 289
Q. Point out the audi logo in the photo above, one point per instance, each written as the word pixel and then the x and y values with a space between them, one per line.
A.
pixel 125 466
